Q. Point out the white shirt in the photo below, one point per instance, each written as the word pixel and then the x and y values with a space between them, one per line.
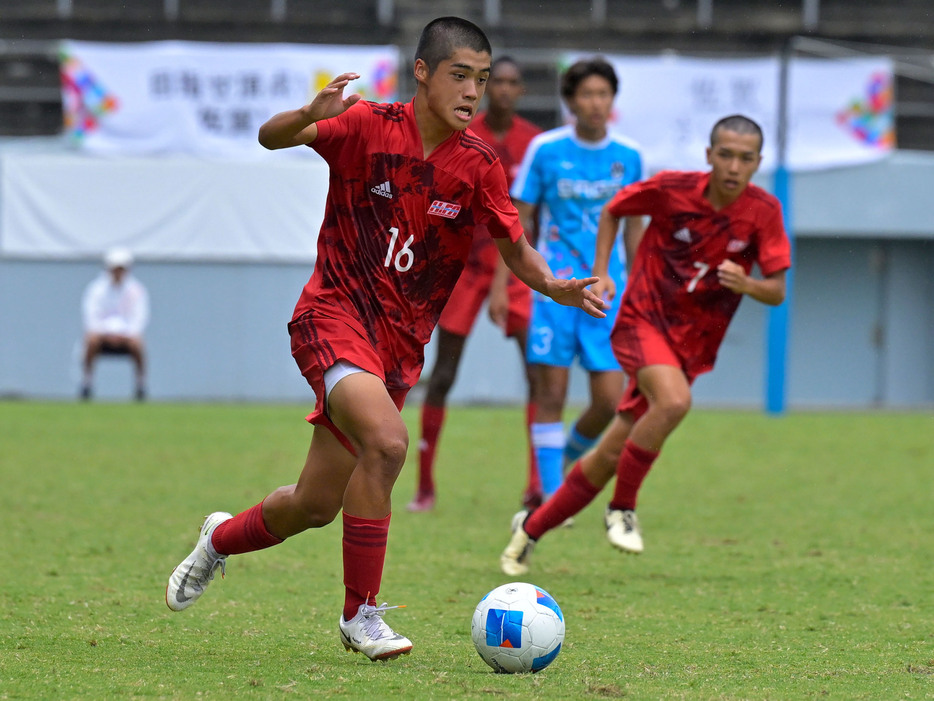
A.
pixel 109 308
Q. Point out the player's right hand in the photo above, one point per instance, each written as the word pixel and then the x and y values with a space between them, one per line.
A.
pixel 330 101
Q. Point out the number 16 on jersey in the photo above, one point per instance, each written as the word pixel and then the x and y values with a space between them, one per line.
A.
pixel 403 257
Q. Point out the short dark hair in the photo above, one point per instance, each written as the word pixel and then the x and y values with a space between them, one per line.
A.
pixel 443 36
pixel 583 69
pixel 740 124
pixel 500 60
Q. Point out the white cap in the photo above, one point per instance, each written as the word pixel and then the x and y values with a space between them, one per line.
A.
pixel 118 258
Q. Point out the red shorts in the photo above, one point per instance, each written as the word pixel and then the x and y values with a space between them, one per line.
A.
pixel 467 299
pixel 637 345
pixel 317 343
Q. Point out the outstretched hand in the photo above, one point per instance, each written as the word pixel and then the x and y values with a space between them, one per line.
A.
pixel 330 101
pixel 574 293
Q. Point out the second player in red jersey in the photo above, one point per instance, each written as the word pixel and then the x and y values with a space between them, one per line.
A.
pixel 676 290
pixel 691 270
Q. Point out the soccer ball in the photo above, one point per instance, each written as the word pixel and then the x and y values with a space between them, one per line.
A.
pixel 518 627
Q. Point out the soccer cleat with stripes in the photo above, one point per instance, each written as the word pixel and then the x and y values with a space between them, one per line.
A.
pixel 189 580
pixel 368 633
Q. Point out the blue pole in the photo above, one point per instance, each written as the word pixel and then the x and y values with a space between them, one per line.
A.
pixel 778 317
pixel 776 366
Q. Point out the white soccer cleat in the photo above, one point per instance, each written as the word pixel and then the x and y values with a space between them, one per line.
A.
pixel 189 580
pixel 368 633
pixel 515 558
pixel 622 530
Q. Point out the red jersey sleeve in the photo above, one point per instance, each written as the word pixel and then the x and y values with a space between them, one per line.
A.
pixel 641 197
pixel 774 247
pixel 331 141
pixel 498 213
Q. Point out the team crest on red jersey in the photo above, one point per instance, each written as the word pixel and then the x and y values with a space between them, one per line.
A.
pixel 444 209
pixel 736 245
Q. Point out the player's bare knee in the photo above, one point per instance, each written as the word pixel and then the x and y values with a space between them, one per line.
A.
pixel 675 408
pixel 386 453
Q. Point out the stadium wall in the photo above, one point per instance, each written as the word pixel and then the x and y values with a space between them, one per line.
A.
pixel 862 329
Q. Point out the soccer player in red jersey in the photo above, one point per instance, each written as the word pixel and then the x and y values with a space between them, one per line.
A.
pixel 691 269
pixel 509 135
pixel 408 184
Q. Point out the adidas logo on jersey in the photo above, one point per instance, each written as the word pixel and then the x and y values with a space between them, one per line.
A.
pixel 683 234
pixel 382 190
pixel 736 245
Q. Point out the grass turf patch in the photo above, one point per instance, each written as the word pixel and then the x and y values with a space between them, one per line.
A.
pixel 785 558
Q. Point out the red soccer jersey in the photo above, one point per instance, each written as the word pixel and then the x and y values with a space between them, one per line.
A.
pixel 398 228
pixel 673 285
pixel 510 150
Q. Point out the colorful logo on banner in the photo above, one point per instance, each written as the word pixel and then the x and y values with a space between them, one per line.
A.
pixel 85 100
pixel 871 119
pixel 384 83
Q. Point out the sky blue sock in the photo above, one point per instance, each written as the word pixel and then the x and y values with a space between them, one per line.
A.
pixel 548 441
pixel 577 444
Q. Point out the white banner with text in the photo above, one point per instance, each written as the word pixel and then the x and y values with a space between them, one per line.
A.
pixel 203 98
pixel 840 112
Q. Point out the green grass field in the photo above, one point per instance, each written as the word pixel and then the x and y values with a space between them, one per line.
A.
pixel 786 558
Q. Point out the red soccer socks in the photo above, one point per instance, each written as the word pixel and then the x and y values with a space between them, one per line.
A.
pixel 432 421
pixel 634 464
pixel 574 494
pixel 364 547
pixel 244 533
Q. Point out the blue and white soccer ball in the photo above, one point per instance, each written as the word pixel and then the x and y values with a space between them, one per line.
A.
pixel 518 627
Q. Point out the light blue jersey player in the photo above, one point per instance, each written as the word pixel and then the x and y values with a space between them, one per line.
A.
pixel 569 174
pixel 570 180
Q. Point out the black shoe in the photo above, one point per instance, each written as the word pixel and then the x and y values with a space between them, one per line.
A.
pixel 141 394
pixel 85 393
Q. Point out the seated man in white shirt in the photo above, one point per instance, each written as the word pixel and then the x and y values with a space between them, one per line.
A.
pixel 115 308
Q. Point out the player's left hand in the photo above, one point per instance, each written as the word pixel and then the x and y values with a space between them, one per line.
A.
pixel 732 276
pixel 574 293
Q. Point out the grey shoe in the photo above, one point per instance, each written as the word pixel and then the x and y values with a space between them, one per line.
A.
pixel 189 580
pixel 368 633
